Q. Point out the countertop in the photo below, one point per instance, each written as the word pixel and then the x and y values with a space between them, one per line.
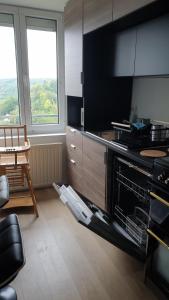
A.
pixel 133 155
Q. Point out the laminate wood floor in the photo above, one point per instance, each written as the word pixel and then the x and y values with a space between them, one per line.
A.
pixel 66 261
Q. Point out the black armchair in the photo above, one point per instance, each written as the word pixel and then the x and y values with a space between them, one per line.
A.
pixel 11 249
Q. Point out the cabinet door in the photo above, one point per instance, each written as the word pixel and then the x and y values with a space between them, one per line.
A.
pixel 94 172
pixel 73 48
pixel 125 43
pixel 152 48
pixel 125 7
pixel 96 14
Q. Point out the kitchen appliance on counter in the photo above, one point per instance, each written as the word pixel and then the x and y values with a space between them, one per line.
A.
pixel 139 135
pixel 159 133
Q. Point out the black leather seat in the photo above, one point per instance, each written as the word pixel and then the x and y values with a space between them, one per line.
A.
pixel 11 249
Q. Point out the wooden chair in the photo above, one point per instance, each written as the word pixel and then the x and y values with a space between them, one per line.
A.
pixel 14 162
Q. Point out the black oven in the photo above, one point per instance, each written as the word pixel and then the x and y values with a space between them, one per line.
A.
pixel 126 223
pixel 135 222
pixel 130 201
pixel 158 264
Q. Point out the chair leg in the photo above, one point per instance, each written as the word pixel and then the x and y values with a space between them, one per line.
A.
pixel 29 181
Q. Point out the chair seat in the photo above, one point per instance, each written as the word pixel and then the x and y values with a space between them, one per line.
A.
pixel 14 162
pixel 9 160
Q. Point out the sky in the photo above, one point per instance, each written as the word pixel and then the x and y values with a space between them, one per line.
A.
pixel 41 54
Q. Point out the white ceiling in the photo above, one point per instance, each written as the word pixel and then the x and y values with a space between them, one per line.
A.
pixel 57 5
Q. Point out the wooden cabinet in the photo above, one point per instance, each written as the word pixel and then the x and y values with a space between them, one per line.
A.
pixel 74 158
pixel 86 167
pixel 125 46
pixel 94 172
pixel 96 14
pixel 73 47
pixel 125 7
pixel 153 47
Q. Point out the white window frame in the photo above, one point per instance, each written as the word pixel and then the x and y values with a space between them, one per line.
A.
pixel 20 14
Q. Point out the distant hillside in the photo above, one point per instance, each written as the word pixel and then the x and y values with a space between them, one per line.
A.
pixel 8 87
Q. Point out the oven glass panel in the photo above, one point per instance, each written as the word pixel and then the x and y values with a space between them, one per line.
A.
pixel 131 203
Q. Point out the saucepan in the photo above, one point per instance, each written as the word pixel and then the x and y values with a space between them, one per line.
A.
pixel 159 132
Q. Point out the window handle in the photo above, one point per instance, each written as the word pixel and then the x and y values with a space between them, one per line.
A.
pixel 73 130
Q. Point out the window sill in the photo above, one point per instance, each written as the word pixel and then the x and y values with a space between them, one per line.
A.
pixel 36 139
pixel 46 135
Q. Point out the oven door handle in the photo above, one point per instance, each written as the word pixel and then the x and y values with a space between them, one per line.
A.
pixel 159 198
pixel 130 165
pixel 150 232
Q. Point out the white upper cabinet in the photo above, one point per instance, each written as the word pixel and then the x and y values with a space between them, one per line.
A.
pixel 73 47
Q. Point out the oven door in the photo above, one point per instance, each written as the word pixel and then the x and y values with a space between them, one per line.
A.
pixel 158 266
pixel 97 221
pixel 159 204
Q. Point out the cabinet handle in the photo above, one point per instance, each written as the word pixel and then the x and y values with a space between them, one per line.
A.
pixel 150 232
pixel 73 146
pixel 72 161
pixel 159 199
pixel 73 130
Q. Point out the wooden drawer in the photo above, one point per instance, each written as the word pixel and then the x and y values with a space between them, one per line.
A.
pixel 74 153
pixel 95 195
pixel 94 172
pixel 74 137
pixel 94 167
pixel 94 150
pixel 94 176
pixel 75 174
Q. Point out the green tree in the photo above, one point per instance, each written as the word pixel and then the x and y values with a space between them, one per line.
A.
pixel 44 104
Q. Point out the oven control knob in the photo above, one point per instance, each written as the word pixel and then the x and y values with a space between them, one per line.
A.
pixel 167 181
pixel 160 177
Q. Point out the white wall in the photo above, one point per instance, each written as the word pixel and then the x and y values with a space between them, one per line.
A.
pixel 150 98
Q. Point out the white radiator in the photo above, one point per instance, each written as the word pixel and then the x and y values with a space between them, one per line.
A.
pixel 46 164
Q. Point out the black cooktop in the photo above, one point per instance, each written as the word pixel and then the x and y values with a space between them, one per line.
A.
pixel 141 142
pixel 163 162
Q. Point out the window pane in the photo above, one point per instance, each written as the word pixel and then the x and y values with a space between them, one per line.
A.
pixel 42 70
pixel 9 108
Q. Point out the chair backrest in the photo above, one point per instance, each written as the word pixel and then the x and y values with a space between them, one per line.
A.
pixel 11 136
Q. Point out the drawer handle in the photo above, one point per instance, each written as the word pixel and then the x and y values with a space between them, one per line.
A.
pixel 159 199
pixel 72 161
pixel 73 130
pixel 73 146
pixel 150 232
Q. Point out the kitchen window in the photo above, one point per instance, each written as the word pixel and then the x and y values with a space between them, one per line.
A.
pixel 31 69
